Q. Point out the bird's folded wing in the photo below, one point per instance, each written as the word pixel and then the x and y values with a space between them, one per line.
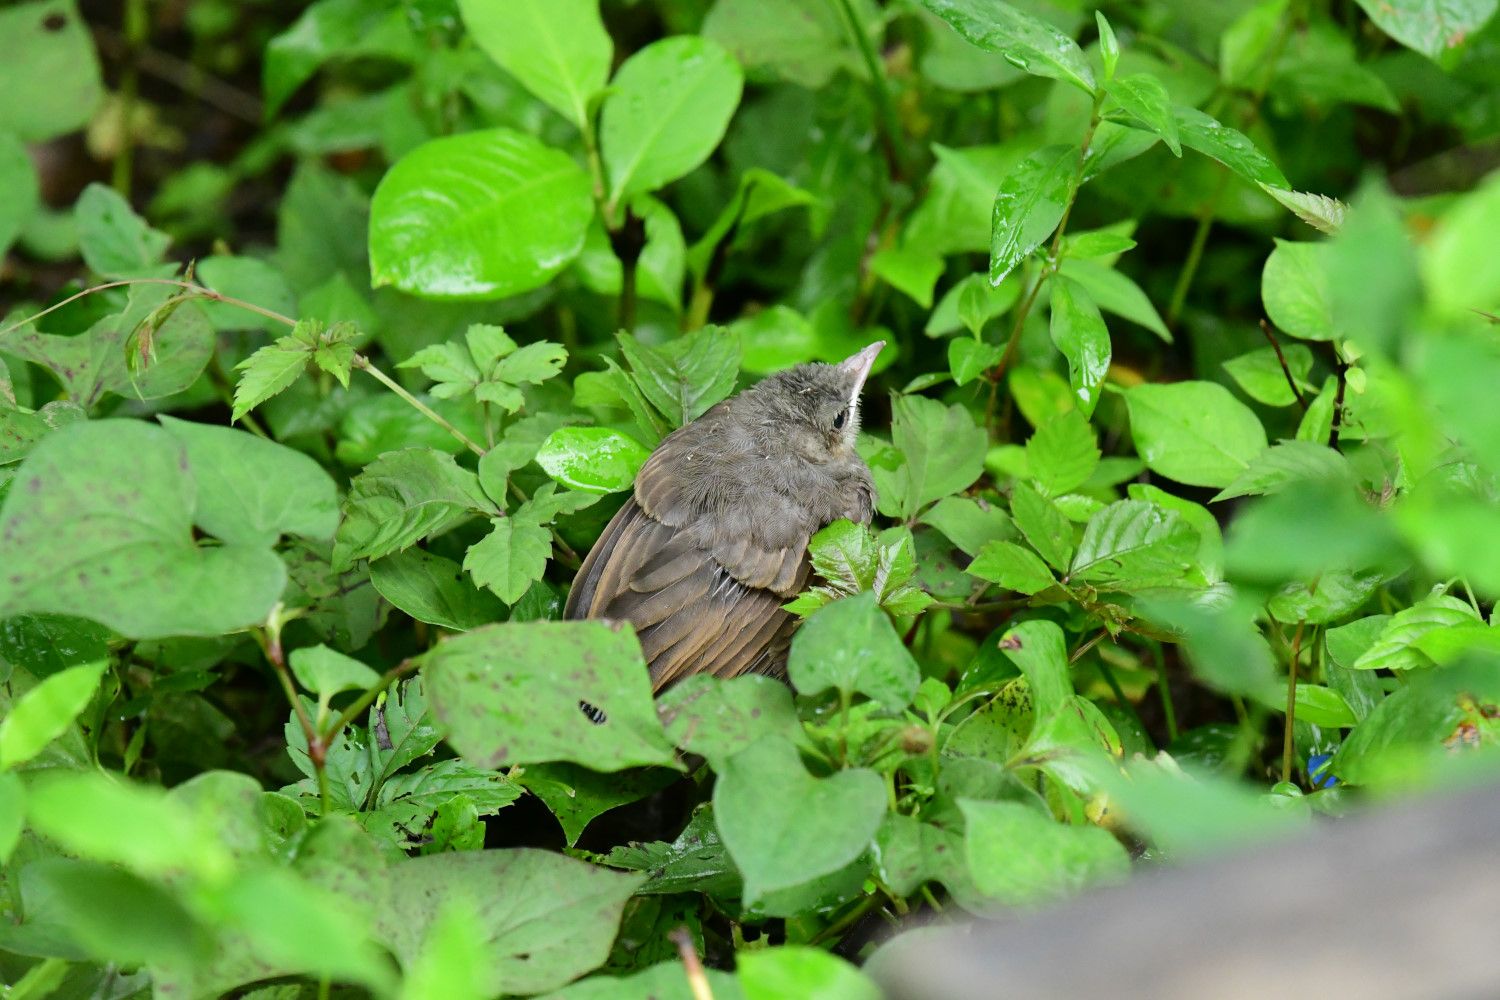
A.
pixel 691 613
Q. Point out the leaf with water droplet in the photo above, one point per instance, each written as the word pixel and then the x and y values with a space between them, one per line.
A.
pixel 1145 99
pixel 1230 147
pixel 1028 44
pixel 1029 205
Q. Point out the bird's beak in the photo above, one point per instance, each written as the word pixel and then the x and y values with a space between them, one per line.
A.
pixel 858 367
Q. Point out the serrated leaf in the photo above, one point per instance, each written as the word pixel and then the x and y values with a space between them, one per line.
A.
pixel 1286 463
pixel 1135 545
pixel 684 377
pixel 851 646
pixel 1194 432
pixel 401 497
pixel 267 372
pixel 511 557
pixel 1323 213
pixel 1395 648
pixel 1062 454
pixel 1044 526
pixel 433 589
pixel 1012 567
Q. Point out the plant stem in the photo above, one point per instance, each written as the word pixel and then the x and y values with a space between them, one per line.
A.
pixel 363 363
pixel 137 27
pixel 847 920
pixel 1288 742
pixel 1285 369
pixel 692 965
pixel 317 750
pixel 890 126
pixel 1195 252
pixel 1165 690
pixel 367 698
pixel 197 289
pixel 1338 401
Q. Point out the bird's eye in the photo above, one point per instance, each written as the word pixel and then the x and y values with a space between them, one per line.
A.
pixel 838 421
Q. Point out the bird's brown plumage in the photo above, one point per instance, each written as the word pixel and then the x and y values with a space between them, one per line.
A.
pixel 714 541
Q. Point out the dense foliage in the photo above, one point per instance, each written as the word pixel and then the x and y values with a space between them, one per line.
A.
pixel 334 334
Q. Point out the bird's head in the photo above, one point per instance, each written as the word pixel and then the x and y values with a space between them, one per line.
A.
pixel 818 404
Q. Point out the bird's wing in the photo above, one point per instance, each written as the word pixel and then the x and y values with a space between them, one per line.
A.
pixel 691 613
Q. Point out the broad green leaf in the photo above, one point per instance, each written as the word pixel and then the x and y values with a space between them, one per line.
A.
pixel 969 523
pixel 544 919
pixel 1321 706
pixel 1062 454
pixel 330 29
pixel 450 964
pixel 913 272
pixel 968 358
pixel 1019 856
pixel 12 811
pixel 1260 374
pixel 942 453
pixel 1430 26
pixel 115 915
pixel 802 43
pixel 1045 527
pixel 1029 205
pixel 1039 651
pixel 558 49
pixel 684 377
pixel 1372 272
pixel 100 525
pixel 481 215
pixel 116 243
pixel 1323 213
pixel 1186 816
pixel 667 109
pixel 1283 464
pixel 1079 332
pixel 49 69
pixel 1012 567
pixel 759 193
pixel 45 712
pixel 1347 643
pixel 1193 432
pixel 433 590
pixel 1210 548
pixel 139 352
pixel 496 689
pixel 1116 293
pixel 515 449
pixel 1294 288
pixel 577 795
pixel 1458 272
pixel 45 644
pixel 1395 648
pixel 402 497
pixel 851 646
pixel 18 178
pixel 782 826
pixel 1231 148
pixel 251 490
pixel 801 971
pixel 718 717
pixel 149 832
pixel 327 672
pixel 1028 44
pixel 511 557
pixel 1146 100
pixel 592 459
pixel 1134 545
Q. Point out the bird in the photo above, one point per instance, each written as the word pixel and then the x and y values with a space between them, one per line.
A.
pixel 714 540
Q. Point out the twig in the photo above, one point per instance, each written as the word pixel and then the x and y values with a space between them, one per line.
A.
pixel 367 699
pixel 200 290
pixel 1288 742
pixel 363 364
pixel 1285 368
pixel 692 965
pixel 317 750
pixel 1342 375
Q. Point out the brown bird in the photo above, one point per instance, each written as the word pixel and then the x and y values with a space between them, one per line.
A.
pixel 715 540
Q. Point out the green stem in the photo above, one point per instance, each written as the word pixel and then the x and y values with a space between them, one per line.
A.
pixel 270 644
pixel 1288 741
pixel 199 290
pixel 137 28
pixel 890 126
pixel 1195 252
pixel 367 698
pixel 1164 689
pixel 363 363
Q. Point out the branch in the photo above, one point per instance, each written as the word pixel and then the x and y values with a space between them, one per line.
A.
pixel 1285 369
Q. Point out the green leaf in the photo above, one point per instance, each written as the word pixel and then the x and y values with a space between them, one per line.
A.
pixel 1019 856
pixel 1109 45
pixel 1062 454
pixel 592 459
pixel 1116 293
pixel 1321 706
pixel 1294 288
pixel 497 690
pixel 45 712
pixel 1029 205
pixel 851 646
pixel 1395 648
pixel 942 453
pixel 100 525
pixel 545 919
pixel 1260 375
pixel 1146 100
pixel 1231 148
pixel 330 29
pixel 1323 213
pixel 18 178
pixel 515 449
pixel 49 69
pixel 268 372
pixel 401 497
pixel 1458 272
pixel 326 672
pixel 511 557
pixel 969 523
pixel 718 717
pixel 667 109
pixel 577 795
pixel 1028 44
pixel 782 826
pixel 1286 463
pixel 116 916
pixel 248 279
pixel 1045 527
pixel 116 243
pixel 914 272
pixel 558 49
pixel 1038 650
pixel 1193 432
pixel 250 490
pixel 801 971
pixel 1012 567
pixel 1374 245
pixel 1430 26
pixel 1134 545
pixel 759 193
pixel 968 359
pixel 433 590
pixel 481 215
pixel 12 809
pixel 1078 331
pixel 684 377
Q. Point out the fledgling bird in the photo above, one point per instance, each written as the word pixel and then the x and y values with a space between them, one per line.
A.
pixel 714 541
